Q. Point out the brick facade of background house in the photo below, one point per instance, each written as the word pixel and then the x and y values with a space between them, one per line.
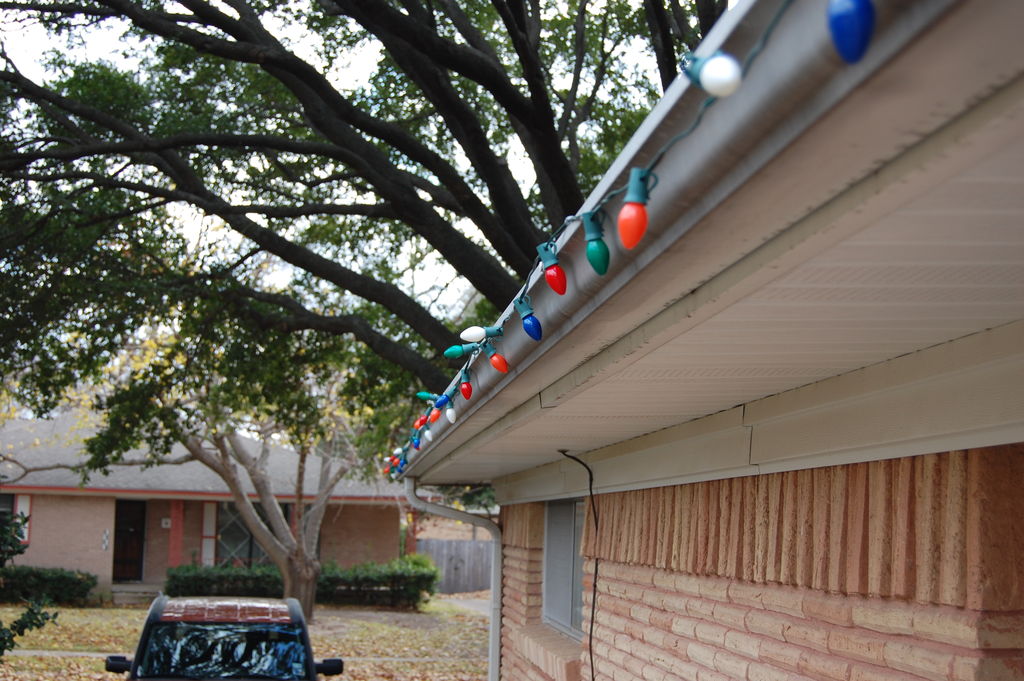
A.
pixel 897 570
pixel 77 531
pixel 68 531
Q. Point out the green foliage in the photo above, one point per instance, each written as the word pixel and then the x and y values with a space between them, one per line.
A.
pixel 33 617
pixel 403 582
pixel 114 90
pixel 224 580
pixel 12 530
pixel 20 583
pixel 187 224
pixel 472 497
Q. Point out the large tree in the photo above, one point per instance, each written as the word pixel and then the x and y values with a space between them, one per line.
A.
pixel 259 396
pixel 341 179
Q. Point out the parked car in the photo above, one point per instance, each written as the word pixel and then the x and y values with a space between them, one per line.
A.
pixel 224 638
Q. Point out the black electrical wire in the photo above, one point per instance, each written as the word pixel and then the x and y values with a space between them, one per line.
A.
pixel 593 513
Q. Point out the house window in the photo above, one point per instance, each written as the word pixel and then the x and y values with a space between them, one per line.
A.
pixel 6 506
pixel 563 566
pixel 235 544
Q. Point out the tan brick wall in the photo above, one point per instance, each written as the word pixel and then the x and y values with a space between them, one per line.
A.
pixel 354 533
pixel 657 624
pixel 74 529
pixel 898 570
pixel 935 529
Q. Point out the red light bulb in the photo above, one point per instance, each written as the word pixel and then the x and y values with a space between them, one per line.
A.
pixel 467 389
pixel 632 224
pixel 553 272
pixel 555 276
pixel 434 415
pixel 633 214
pixel 419 423
pixel 499 363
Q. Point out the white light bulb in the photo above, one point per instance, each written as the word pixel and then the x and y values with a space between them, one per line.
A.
pixel 428 435
pixel 720 75
pixel 474 334
pixel 398 451
pixel 451 415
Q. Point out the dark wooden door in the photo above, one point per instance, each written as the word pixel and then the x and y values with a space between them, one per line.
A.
pixel 129 540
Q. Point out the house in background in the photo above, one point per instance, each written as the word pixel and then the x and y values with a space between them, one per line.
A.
pixel 801 396
pixel 129 526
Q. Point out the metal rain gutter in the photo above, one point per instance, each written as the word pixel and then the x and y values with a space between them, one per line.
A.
pixel 803 79
pixel 494 638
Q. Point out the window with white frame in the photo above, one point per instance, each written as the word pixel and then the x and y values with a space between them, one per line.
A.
pixel 563 565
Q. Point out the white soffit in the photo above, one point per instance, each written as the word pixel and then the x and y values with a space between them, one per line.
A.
pixel 927 249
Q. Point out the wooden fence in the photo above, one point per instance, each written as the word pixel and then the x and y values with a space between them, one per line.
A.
pixel 465 564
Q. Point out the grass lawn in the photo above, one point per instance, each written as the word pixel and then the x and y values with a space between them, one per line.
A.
pixel 441 642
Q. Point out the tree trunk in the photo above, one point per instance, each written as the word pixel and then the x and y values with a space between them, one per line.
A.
pixel 300 577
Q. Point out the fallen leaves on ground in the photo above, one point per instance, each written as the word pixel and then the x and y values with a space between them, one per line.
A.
pixel 108 630
pixel 439 643
pixel 22 668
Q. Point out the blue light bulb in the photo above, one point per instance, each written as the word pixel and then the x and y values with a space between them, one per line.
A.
pixel 851 23
pixel 442 402
pixel 531 325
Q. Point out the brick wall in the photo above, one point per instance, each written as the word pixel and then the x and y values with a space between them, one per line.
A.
pixel 156 559
pixel 360 533
pixel 74 533
pixel 656 625
pixel 898 570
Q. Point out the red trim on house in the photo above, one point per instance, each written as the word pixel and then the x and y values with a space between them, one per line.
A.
pixel 176 539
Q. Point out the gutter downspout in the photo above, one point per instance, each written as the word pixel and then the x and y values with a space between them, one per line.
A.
pixel 494 646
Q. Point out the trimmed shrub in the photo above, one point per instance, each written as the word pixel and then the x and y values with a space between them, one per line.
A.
pixel 197 580
pixel 20 583
pixel 403 582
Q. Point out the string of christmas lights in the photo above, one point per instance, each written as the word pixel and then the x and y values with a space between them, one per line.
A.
pixel 851 26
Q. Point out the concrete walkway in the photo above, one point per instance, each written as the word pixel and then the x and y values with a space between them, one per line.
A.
pixel 21 652
pixel 477 605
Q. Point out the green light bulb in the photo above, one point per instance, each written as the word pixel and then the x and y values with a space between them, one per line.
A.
pixel 597 255
pixel 456 351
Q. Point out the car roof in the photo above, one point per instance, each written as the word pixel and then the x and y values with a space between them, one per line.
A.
pixel 224 609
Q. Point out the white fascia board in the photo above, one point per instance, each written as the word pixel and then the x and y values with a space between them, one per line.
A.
pixel 967 393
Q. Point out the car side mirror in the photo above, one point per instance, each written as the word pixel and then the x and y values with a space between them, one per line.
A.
pixel 331 666
pixel 118 664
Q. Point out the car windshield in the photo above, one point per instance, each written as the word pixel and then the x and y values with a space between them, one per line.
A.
pixel 202 650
